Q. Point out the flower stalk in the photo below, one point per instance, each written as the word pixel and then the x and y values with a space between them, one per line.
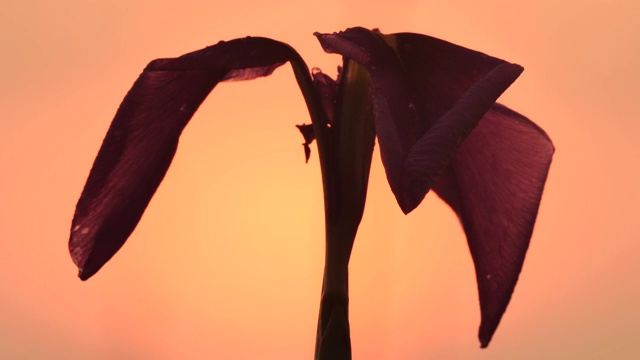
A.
pixel 347 147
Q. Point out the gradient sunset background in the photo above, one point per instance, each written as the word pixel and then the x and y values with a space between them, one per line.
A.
pixel 227 261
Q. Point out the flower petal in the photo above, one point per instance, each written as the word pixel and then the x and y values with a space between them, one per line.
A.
pixel 430 155
pixel 428 95
pixel 143 137
pixel 494 184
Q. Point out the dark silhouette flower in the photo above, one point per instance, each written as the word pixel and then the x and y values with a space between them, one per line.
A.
pixel 431 105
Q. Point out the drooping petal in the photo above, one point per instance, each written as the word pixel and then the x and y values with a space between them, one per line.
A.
pixel 428 95
pixel 143 137
pixel 494 184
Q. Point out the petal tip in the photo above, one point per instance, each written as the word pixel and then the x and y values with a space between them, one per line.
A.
pixel 485 339
pixel 485 333
pixel 409 200
pixel 83 275
pixel 408 204
pixel 406 208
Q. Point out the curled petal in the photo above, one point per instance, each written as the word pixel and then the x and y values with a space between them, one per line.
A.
pixel 431 154
pixel 327 88
pixel 494 184
pixel 143 137
pixel 428 95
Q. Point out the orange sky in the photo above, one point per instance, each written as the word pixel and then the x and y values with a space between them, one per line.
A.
pixel 227 261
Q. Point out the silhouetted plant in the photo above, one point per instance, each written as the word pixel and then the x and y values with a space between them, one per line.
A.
pixel 431 105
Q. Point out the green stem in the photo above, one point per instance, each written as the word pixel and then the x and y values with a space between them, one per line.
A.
pixel 333 336
pixel 345 146
pixel 333 339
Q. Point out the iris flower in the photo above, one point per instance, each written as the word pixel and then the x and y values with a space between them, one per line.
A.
pixel 431 105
